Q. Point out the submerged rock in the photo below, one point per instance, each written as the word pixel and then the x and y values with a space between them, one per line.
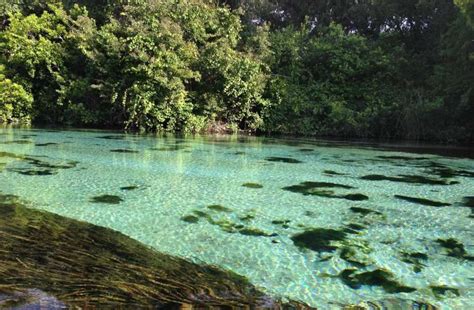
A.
pixel 81 265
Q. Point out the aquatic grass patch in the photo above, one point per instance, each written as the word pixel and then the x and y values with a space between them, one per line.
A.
pixel 107 199
pixel 123 151
pixel 22 141
pixel 252 185
pixel 170 148
pixel 46 144
pixel 403 178
pixel 192 219
pixel 441 291
pixel 400 157
pixel 454 248
pixel 219 208
pixel 378 277
pixel 321 189
pixel 332 172
pixel 112 137
pixel 34 166
pixel 319 239
pixel 82 264
pixel 283 223
pixel 422 201
pixel 309 188
pixel 33 172
pixel 354 228
pixel 129 188
pixel 416 259
pixel 364 211
pixel 288 160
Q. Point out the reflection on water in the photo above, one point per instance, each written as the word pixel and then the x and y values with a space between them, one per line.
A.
pixel 327 224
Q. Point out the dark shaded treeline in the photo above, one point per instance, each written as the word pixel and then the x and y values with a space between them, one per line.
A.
pixel 377 69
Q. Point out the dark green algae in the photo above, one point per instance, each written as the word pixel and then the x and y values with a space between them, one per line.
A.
pixel 225 224
pixel 324 189
pixel 252 185
pixel 107 199
pixel 454 248
pixel 87 266
pixel 422 201
pixel 36 165
pixel 288 160
pixel 405 178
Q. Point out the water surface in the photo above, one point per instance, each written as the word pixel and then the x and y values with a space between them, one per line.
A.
pixel 323 223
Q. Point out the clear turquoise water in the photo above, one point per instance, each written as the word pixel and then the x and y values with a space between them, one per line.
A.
pixel 176 181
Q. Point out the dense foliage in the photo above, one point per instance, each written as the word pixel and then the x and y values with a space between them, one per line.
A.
pixel 384 68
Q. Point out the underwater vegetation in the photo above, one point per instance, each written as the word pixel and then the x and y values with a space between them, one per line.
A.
pixel 46 144
pixel 378 277
pixel 320 189
pixel 112 137
pixel 332 172
pixel 399 157
pixel 18 142
pixel 416 259
pixel 422 201
pixel 36 165
pixel 130 188
pixel 415 179
pixel 107 199
pixel 219 208
pixel 86 266
pixel 170 148
pixel 284 160
pixel 319 239
pixel 252 185
pixel 123 151
pixel 225 224
pixel 454 248
pixel 364 211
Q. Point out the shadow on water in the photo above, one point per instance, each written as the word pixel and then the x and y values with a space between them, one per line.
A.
pixel 68 263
